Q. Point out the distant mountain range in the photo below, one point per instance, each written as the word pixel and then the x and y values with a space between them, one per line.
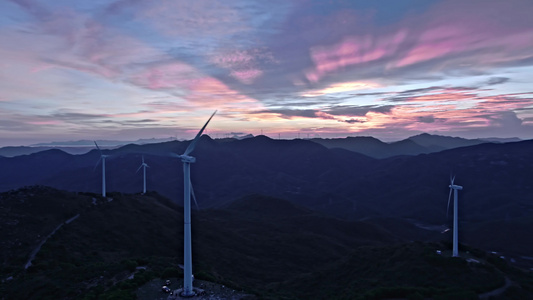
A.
pixel 419 144
pixel 497 180
pixel 104 143
pixel 73 147
pixel 12 151
pixel 423 143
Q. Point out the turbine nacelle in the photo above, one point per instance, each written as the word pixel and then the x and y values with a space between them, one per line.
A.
pixel 187 159
pixel 143 165
pixel 455 187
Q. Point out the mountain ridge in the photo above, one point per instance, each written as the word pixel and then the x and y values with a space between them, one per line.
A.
pixel 370 146
pixel 336 182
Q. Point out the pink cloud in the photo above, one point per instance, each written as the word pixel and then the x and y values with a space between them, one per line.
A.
pixel 454 33
pixel 197 89
pixel 442 110
pixel 41 67
pixel 166 76
pixel 45 122
pixel 192 19
pixel 211 92
pixel 470 29
pixel 465 111
pixel 67 39
pixel 445 110
pixel 324 116
pixel 232 59
pixel 244 65
pixel 246 76
pixel 352 51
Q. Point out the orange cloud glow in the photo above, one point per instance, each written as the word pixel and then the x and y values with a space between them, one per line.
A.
pixel 341 87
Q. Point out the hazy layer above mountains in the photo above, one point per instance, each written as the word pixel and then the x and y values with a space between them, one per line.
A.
pixel 423 143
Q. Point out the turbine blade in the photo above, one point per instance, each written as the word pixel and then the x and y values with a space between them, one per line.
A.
pixel 97 163
pixel 97 147
pixel 453 179
pixel 194 197
pixel 449 197
pixel 139 168
pixel 172 154
pixel 143 159
pixel 193 143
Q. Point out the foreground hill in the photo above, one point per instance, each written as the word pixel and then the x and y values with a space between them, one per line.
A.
pixel 264 245
pixel 414 271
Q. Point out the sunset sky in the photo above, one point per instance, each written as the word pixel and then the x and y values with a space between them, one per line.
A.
pixel 130 69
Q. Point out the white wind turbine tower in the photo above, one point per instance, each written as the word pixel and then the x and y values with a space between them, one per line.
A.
pixel 455 188
pixel 144 166
pixel 187 190
pixel 102 158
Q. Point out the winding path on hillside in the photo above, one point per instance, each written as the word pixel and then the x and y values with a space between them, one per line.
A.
pixel 498 291
pixel 38 248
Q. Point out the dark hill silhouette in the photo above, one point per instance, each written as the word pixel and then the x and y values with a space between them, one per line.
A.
pixel 33 168
pixel 338 182
pixel 419 144
pixel 364 144
pixel 436 143
pixel 496 185
pixel 406 147
pixel 399 274
pixel 270 207
pixel 12 151
pixel 300 254
pixel 112 233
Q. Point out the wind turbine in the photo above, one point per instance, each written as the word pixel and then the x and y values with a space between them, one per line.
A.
pixel 186 159
pixel 102 158
pixel 455 188
pixel 144 166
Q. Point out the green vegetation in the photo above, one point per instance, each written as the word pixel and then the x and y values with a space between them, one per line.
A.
pixel 261 245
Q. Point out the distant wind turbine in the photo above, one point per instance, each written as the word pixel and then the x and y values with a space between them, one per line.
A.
pixel 144 166
pixel 455 188
pixel 186 159
pixel 102 158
